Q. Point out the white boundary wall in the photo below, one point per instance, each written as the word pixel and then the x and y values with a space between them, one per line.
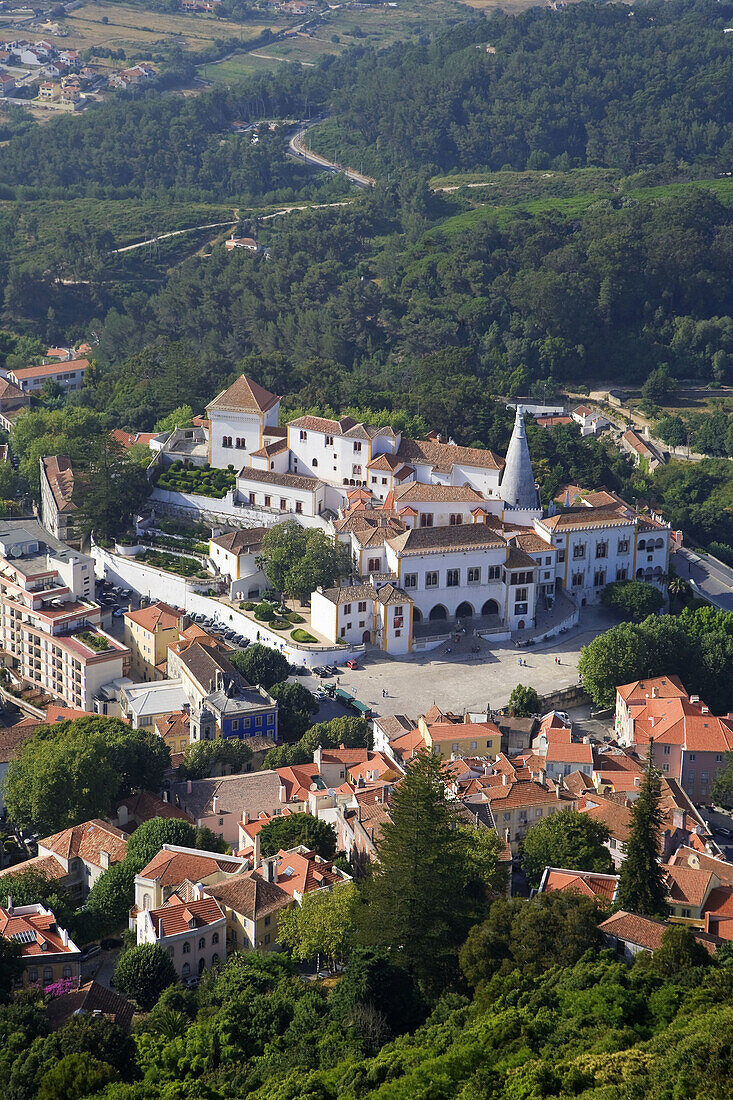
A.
pixel 224 510
pixel 159 585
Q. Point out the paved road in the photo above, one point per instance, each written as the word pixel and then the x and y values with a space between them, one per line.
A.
pixel 710 578
pixel 173 233
pixel 297 148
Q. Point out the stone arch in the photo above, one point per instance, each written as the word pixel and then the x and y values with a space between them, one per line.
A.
pixel 491 607
pixel 438 613
pixel 416 615
pixel 464 610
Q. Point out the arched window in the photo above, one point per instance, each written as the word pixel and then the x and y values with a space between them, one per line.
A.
pixel 170 952
pixel 314 462
pixel 202 943
pixel 215 958
pixel 146 901
pixel 186 970
pixel 642 544
pixel 66 972
pixel 215 937
pixel 659 544
pixel 187 948
pixel 47 974
pixel 33 974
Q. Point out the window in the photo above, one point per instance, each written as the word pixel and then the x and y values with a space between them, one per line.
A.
pixel 202 943
pixel 33 974
pixel 303 436
pixel 601 550
pixel 426 519
pixel 347 609
pixel 623 546
pixel 356 471
pixel 474 745
pixel 283 504
pixel 267 937
pixel 314 462
pixel 298 508
pixel 361 605
pixel 454 747
pixel 251 498
pixel 267 922
pixel 375 480
pixel 474 575
pixel 187 948
pixel 686 912
pixel 410 580
pixel 398 611
pixel 242 444
pixel 343 631
pixel 521 595
pixel 455 519
pixel 398 633
pixel 453 578
pixel 622 573
pixel 357 448
pixel 328 441
pixel 186 970
pixel 692 756
pixel 599 578
pixel 431 580
pixel 665 750
pixel 703 777
pixel 226 441
pixel 578 580
pixel 267 501
pixel 494 572
pixel 373 566
pixel 47 974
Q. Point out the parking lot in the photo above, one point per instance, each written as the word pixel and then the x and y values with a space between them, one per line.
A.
pixel 461 680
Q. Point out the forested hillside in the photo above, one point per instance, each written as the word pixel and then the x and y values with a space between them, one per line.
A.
pixel 602 85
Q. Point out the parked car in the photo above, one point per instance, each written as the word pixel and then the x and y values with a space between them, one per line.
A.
pixel 90 951
pixel 352 664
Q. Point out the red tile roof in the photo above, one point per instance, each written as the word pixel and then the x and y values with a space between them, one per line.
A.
pixel 638 691
pixel 171 920
pixel 51 369
pixel 35 933
pixel 645 932
pixel 580 882
pixel 172 868
pixel 244 395
pixel 303 871
pixel 87 841
pixel 158 616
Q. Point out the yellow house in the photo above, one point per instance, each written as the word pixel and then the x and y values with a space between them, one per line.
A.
pixel 175 729
pixel 48 952
pixel 252 904
pixel 447 739
pixel 148 633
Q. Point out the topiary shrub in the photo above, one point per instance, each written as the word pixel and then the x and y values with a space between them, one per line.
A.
pixel 300 635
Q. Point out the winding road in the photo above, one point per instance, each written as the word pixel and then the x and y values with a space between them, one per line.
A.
pixel 297 148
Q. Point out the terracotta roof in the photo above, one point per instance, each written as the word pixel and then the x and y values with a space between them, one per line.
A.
pixel 582 882
pixel 349 593
pixel 251 791
pixel 346 426
pixel 637 443
pixel 552 421
pixel 687 885
pixel 582 410
pixel 575 753
pixel 588 517
pixel 271 449
pixel 406 745
pixel 141 807
pixel 524 792
pixel 244 395
pixel 578 782
pixel 87 841
pixel 689 857
pixel 251 895
pixel 615 817
pixel 12 738
pixel 645 932
pixel 171 920
pixel 48 866
pixel 667 687
pixel 60 476
pixel 177 724
pixel 300 871
pixel 129 439
pixel 458 731
pixel 35 933
pixel 158 616
pixel 444 456
pixel 395 725
pixel 466 536
pixel 271 477
pixel 9 390
pixel 719 902
pixel 236 541
pixel 385 462
pixel 679 722
pixel 417 491
pixel 51 369
pixel 89 998
pixel 518 559
pixel 532 543
pixel 390 594
pixel 172 868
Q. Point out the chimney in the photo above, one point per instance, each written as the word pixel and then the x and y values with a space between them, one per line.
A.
pixel 269 869
pixel 283 792
pixel 318 757
pixel 189 787
pixel 704 710
pixel 257 855
pixel 504 779
pixel 165 796
pixel 245 817
pixel 160 928
pixel 651 720
pixel 507 836
pixel 215 804
pixel 104 860
pixel 64 937
pixel 586 740
pixel 655 693
pixel 10 905
pixel 557 790
pixel 543 776
pixel 694 698
pixel 678 818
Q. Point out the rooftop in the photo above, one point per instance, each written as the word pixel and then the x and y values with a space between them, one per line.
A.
pixel 50 369
pixel 444 456
pixel 244 395
pixel 424 540
pixel 251 895
pixel 235 542
pixel 87 842
pixel 155 617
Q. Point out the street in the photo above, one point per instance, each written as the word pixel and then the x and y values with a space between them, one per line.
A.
pixel 708 577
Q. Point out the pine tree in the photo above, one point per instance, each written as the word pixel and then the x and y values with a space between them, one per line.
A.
pixel 416 898
pixel 641 883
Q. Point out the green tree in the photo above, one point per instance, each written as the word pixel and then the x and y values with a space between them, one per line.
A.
pixel 261 665
pixel 288 832
pixel 201 757
pixel 322 925
pixel 659 386
pixel 114 490
pixel 524 702
pixel 351 732
pixel 671 430
pixel 74 1076
pixel 678 588
pixel 11 966
pixel 109 901
pixel 634 651
pixel 178 418
pixel 297 560
pixel 374 977
pixel 635 599
pixel 143 972
pixel 48 785
pixel 722 788
pixel 680 951
pixel 26 887
pixel 416 898
pixel 149 837
pixel 641 886
pixel 567 839
pixel 296 706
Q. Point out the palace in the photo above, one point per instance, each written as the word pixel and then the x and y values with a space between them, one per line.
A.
pixel 438 533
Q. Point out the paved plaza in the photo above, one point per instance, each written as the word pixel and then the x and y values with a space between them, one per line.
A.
pixel 465 681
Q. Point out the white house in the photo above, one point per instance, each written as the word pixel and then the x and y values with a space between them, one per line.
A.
pixel 590 420
pixel 238 417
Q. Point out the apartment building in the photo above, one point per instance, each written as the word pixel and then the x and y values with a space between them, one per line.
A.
pixel 70 375
pixel 59 507
pixel 49 622
pixel 148 633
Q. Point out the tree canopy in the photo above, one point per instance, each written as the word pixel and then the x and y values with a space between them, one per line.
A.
pixel 298 559
pixel 566 839
pixel 288 832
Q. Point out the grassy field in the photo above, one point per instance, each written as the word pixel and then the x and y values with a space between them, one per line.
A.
pixel 132 28
pixel 572 206
pixel 511 187
pixel 377 27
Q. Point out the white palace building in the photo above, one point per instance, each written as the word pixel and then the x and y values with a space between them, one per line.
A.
pixel 438 533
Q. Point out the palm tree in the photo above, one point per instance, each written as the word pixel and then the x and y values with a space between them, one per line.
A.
pixel 678 588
